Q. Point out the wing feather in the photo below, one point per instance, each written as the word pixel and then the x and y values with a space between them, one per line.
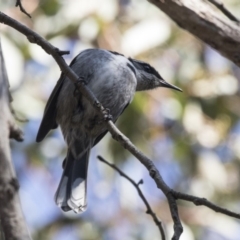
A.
pixel 50 112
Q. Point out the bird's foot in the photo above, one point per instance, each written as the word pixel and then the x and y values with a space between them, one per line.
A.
pixel 80 81
pixel 106 115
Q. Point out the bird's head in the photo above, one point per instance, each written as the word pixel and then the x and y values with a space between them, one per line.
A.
pixel 148 78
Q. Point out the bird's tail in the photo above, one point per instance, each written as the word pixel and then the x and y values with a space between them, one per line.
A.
pixel 72 189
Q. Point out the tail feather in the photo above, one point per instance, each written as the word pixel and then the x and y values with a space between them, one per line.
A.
pixel 72 190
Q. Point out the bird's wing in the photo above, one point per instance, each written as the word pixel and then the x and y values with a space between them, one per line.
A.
pixel 50 112
pixel 99 137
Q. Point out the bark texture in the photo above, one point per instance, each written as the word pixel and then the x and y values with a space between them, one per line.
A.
pixel 11 216
pixel 200 19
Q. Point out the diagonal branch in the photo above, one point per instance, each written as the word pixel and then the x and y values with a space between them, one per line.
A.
pixel 224 10
pixel 204 23
pixel 154 173
pixel 19 3
pixel 136 185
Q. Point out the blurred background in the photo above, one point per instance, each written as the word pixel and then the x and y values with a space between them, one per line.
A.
pixel 193 137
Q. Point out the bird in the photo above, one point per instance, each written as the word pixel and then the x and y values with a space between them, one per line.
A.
pixel 113 79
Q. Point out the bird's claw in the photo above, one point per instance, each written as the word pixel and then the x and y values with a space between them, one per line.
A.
pixel 79 82
pixel 106 115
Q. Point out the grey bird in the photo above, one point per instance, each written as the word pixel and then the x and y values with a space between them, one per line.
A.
pixel 113 79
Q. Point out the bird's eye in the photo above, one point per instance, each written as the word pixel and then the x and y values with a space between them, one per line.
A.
pixel 147 68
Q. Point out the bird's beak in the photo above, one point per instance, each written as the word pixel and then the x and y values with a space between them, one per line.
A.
pixel 168 85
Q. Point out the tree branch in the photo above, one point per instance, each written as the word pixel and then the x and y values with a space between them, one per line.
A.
pixel 177 195
pixel 154 173
pixel 224 10
pixel 136 185
pixel 11 216
pixel 204 202
pixel 19 3
pixel 199 19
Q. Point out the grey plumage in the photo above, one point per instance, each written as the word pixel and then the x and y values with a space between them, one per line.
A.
pixel 113 79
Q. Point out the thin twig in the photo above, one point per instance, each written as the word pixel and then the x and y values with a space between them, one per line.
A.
pixel 204 202
pixel 19 3
pixel 224 10
pixel 61 52
pixel 136 185
pixel 154 173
